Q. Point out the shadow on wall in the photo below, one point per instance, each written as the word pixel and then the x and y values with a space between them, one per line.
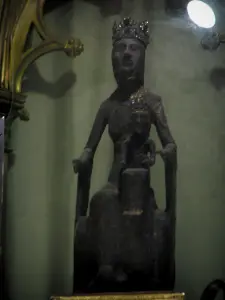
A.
pixel 34 82
pixel 107 7
pixel 217 78
pixel 50 5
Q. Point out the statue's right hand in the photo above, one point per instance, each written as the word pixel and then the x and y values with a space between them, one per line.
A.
pixel 84 160
pixel 76 165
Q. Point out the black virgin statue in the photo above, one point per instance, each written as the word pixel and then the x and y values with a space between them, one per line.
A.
pixel 126 243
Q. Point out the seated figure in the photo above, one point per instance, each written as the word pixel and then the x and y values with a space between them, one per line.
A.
pixel 126 243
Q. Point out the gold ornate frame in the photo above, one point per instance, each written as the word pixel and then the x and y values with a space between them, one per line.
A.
pixel 17 18
pixel 130 296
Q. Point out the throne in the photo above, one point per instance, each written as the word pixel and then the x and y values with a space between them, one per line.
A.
pixel 139 236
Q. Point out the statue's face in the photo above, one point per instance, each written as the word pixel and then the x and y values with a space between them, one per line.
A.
pixel 141 121
pixel 128 57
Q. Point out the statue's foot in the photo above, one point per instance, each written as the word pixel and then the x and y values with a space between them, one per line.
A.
pixel 106 272
pixel 120 276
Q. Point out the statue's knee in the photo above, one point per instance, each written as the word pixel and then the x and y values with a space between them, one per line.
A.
pixel 96 200
pixel 103 199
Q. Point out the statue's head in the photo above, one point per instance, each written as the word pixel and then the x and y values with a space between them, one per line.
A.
pixel 130 40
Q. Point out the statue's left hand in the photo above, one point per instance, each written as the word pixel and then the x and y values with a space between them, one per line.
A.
pixel 163 153
pixel 167 152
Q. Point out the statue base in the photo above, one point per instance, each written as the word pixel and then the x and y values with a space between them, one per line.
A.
pixel 125 243
pixel 125 296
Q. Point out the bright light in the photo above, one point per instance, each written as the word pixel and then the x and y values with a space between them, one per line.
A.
pixel 201 14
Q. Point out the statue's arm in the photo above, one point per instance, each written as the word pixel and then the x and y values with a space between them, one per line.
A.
pixel 83 165
pixel 163 130
pixel 168 153
pixel 98 128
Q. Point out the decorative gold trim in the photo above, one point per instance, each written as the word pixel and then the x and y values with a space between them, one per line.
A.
pixel 32 14
pixel 132 296
pixel 17 19
pixel 71 48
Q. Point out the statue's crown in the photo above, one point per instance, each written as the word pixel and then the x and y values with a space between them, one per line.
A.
pixel 128 28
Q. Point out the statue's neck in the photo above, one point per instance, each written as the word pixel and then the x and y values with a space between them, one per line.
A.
pixel 126 90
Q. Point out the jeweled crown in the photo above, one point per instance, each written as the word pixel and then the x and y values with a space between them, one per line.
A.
pixel 129 28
